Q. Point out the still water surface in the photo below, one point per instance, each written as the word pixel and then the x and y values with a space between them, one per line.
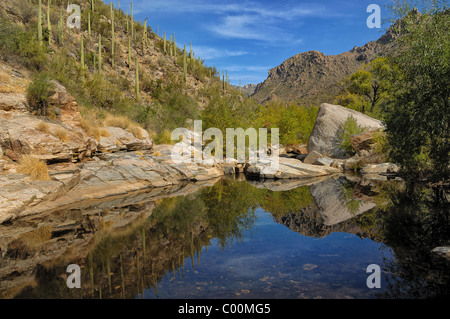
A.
pixel 240 239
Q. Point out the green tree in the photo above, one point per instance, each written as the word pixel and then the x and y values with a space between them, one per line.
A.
pixel 349 128
pixel 417 115
pixel 366 87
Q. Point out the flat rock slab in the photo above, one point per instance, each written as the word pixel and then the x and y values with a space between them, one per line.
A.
pixel 290 169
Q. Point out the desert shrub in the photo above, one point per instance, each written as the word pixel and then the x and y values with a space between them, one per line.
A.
pixel 349 128
pixel 18 44
pixel 38 92
pixel 102 93
pixel 294 122
pixel 165 137
pixel 34 167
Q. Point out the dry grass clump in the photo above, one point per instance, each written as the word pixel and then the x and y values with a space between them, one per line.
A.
pixel 61 134
pixel 34 167
pixel 43 127
pixel 5 78
pixel 8 86
pixel 35 239
pixel 124 123
pixel 93 123
pixel 118 121
pixel 136 131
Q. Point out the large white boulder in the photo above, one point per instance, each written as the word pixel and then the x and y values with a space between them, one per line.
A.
pixel 324 137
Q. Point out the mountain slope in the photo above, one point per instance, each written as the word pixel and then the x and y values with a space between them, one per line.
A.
pixel 312 77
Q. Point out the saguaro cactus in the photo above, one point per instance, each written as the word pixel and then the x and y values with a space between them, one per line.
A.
pixel 82 54
pixel 132 22
pixel 49 24
pixel 129 52
pixel 99 53
pixel 112 34
pixel 164 42
pixel 126 18
pixel 60 28
pixel 144 35
pixel 137 79
pixel 40 21
pixel 184 64
pixel 174 44
pixel 89 24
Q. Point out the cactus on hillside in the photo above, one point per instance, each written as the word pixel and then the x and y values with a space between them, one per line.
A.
pixel 89 24
pixel 82 54
pixel 126 18
pixel 164 42
pixel 132 21
pixel 40 21
pixel 60 28
pixel 137 79
pixel 129 52
pixel 49 23
pixel 112 34
pixel 174 46
pixel 184 64
pixel 144 35
pixel 223 81
pixel 99 53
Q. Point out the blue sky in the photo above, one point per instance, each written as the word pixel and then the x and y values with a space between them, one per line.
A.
pixel 248 38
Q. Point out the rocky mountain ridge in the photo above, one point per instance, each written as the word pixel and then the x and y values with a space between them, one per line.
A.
pixel 312 78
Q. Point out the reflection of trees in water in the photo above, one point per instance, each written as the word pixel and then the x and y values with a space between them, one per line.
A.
pixel 346 188
pixel 126 262
pixel 416 222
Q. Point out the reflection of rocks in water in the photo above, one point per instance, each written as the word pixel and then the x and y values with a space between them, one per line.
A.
pixel 335 201
pixel 338 202
pixel 65 236
pixel 281 185
pixel 309 222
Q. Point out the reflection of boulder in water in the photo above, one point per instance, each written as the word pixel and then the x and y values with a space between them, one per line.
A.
pixel 281 185
pixel 307 222
pixel 334 203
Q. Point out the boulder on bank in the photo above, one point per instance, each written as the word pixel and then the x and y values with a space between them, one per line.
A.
pixel 312 157
pixel 119 139
pixel 324 137
pixel 365 144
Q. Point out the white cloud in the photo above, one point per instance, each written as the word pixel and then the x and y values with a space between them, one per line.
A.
pixel 210 53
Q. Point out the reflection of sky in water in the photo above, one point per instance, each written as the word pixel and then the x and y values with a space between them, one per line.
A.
pixel 272 261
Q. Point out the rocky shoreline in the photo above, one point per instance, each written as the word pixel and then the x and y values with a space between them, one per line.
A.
pixel 120 162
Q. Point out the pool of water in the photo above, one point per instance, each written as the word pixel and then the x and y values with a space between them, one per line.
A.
pixel 271 261
pixel 236 238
